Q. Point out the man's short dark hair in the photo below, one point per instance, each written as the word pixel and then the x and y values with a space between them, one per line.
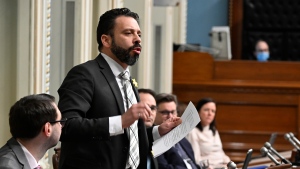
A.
pixel 28 115
pixel 106 22
pixel 164 97
pixel 149 91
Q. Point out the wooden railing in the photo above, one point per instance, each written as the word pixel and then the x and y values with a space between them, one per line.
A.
pixel 254 99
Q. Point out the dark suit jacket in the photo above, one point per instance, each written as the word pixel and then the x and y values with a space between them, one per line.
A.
pixel 12 156
pixel 154 164
pixel 172 160
pixel 89 95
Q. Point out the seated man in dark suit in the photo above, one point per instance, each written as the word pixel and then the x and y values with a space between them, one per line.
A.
pixel 180 156
pixel 35 124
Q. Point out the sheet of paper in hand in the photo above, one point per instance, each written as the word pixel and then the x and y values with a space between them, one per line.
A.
pixel 190 119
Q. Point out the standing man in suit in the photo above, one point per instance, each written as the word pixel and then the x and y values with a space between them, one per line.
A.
pixel 106 127
pixel 148 96
pixel 181 155
pixel 35 124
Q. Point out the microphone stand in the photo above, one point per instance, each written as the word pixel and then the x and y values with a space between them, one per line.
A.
pixel 272 150
pixel 295 157
pixel 295 154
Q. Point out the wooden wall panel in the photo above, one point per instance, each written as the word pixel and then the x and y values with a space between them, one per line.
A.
pixel 250 107
pixel 236 27
pixel 256 118
pixel 277 71
pixel 202 67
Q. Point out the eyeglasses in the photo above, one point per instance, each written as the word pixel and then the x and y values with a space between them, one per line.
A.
pixel 166 112
pixel 62 121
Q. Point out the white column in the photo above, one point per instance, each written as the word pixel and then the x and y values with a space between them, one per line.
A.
pixel 117 3
pixel 40 48
pixel 180 22
pixel 83 31
pixel 99 7
pixel 163 45
pixel 24 61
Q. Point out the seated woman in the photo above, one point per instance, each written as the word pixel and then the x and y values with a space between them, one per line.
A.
pixel 205 139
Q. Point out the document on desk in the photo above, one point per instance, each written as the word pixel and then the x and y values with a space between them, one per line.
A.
pixel 190 119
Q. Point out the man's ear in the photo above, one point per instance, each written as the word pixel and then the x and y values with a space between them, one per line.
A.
pixel 47 129
pixel 106 40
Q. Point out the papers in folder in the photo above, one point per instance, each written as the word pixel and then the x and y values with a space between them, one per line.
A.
pixel 190 119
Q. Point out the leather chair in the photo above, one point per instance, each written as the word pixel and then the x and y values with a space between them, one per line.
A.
pixel 55 158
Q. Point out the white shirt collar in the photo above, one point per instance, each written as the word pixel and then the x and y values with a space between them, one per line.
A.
pixel 206 128
pixel 115 67
pixel 31 160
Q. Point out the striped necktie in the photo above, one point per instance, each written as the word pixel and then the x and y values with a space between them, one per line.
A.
pixel 134 156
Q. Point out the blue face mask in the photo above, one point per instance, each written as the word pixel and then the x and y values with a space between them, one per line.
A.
pixel 262 56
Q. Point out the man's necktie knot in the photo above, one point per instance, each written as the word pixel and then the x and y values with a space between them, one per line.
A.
pixel 124 75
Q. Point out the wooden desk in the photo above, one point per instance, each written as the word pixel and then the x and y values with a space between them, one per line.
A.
pixel 254 99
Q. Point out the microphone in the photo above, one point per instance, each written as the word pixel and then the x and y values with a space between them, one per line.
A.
pixel 264 151
pixel 231 165
pixel 272 150
pixel 294 138
pixel 288 137
pixel 247 159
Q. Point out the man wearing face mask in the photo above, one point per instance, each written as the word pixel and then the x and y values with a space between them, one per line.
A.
pixel 262 51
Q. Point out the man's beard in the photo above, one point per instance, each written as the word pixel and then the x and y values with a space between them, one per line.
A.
pixel 124 54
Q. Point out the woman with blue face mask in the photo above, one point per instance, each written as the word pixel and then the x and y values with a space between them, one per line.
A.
pixel 262 51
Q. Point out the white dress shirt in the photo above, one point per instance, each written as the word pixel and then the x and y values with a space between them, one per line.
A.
pixel 115 122
pixel 207 146
pixel 31 160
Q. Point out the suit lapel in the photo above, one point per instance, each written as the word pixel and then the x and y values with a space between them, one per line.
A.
pixel 111 80
pixel 17 149
pixel 135 91
pixel 188 151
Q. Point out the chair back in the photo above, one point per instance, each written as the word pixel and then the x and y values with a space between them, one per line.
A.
pixel 55 158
